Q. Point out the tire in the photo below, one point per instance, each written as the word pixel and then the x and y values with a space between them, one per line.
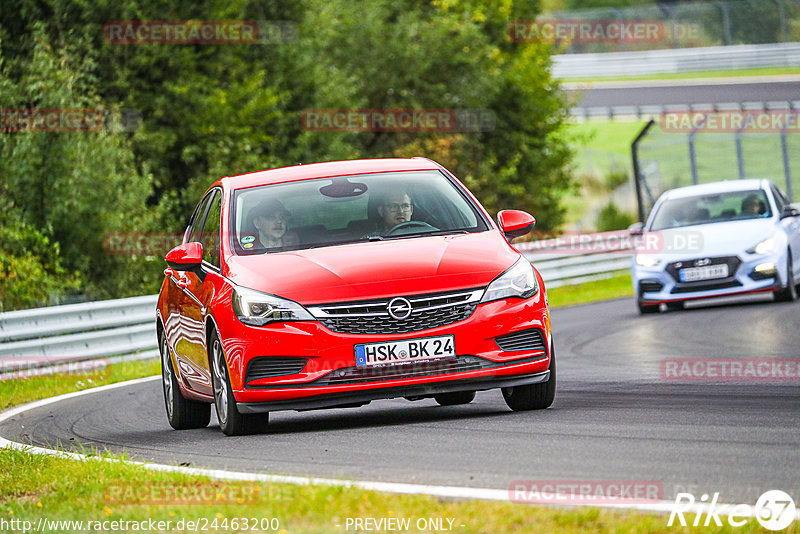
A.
pixel 676 306
pixel 182 413
pixel 533 396
pixel 789 293
pixel 231 422
pixel 455 398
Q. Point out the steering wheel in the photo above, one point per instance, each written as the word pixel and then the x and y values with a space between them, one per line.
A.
pixel 411 224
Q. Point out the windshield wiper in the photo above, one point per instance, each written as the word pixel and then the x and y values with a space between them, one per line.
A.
pixel 419 234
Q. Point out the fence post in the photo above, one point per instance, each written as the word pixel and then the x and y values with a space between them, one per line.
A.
pixel 693 157
pixel 739 154
pixel 787 167
pixel 782 17
pixel 636 174
pixel 726 22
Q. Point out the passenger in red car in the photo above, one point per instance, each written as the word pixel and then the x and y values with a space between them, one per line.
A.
pixel 270 221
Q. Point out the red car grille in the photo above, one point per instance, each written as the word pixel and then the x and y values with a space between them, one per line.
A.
pixel 372 317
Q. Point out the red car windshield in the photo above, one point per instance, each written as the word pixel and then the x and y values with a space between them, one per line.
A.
pixel 348 209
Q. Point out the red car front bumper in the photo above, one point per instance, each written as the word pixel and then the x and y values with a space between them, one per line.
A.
pixel 330 376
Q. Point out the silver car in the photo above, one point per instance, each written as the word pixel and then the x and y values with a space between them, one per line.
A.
pixel 717 239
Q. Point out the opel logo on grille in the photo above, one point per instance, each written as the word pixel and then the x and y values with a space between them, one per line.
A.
pixel 399 308
pixel 702 263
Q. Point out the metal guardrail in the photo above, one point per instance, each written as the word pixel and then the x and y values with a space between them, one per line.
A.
pixel 654 111
pixel 33 341
pixel 579 258
pixel 735 57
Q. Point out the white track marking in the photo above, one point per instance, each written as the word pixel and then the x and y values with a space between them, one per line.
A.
pixel 457 492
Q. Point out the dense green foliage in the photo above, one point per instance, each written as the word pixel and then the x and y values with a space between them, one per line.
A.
pixel 611 218
pixel 214 110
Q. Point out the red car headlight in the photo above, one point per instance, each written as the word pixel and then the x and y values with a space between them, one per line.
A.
pixel 518 281
pixel 258 309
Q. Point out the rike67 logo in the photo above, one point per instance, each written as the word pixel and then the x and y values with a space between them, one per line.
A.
pixel 774 510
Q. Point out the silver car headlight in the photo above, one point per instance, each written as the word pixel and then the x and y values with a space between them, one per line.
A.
pixel 646 260
pixel 258 309
pixel 518 281
pixel 765 247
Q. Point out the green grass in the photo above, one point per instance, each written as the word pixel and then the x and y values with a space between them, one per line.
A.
pixel 603 145
pixel 14 392
pixel 33 486
pixel 601 148
pixel 766 71
pixel 58 489
pixel 617 286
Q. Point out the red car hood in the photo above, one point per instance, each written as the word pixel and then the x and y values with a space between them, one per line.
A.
pixel 361 271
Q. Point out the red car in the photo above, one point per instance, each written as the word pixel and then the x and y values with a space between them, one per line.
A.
pixel 334 284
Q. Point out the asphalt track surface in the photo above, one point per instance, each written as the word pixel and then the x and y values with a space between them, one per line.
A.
pixel 677 92
pixel 614 418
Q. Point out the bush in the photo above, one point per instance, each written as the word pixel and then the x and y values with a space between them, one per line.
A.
pixel 611 218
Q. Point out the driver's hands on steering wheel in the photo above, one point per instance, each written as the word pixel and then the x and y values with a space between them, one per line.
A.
pixel 411 224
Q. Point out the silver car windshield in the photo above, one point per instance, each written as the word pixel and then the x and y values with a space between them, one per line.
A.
pixel 348 209
pixel 713 208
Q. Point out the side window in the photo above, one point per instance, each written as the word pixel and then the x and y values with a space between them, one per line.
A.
pixel 196 225
pixel 210 236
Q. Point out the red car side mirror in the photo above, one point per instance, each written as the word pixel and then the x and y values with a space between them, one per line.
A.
pixel 185 257
pixel 515 223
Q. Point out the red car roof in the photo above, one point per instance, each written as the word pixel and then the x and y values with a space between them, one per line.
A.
pixel 327 169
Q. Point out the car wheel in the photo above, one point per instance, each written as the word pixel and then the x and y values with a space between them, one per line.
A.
pixel 182 413
pixel 533 396
pixel 231 422
pixel 789 293
pixel 676 306
pixel 455 398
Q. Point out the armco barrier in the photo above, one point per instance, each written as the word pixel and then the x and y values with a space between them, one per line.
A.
pixel 124 329
pixel 679 60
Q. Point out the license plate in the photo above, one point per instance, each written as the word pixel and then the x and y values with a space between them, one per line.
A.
pixel 693 274
pixel 405 351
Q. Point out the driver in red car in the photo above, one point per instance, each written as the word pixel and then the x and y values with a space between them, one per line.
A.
pixel 395 209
